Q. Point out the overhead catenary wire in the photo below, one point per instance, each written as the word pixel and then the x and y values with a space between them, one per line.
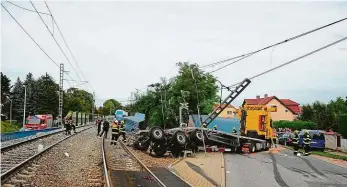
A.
pixel 67 46
pixel 56 41
pixel 27 8
pixel 270 46
pixel 294 60
pixel 37 44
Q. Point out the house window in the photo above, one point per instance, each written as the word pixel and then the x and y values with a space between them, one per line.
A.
pixel 229 112
pixel 286 110
pixel 274 108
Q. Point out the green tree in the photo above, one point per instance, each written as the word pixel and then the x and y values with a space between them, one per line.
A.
pixel 46 96
pixel 5 94
pixel 307 113
pixel 161 102
pixel 78 100
pixel 110 105
pixel 32 91
pixel 17 96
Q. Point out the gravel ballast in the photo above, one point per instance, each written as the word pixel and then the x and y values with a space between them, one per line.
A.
pixel 76 161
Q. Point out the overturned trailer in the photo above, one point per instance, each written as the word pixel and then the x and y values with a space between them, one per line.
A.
pixel 255 131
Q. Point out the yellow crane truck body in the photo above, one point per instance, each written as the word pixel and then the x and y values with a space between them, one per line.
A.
pixel 258 121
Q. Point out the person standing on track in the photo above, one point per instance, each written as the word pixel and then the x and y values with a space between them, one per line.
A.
pixel 114 132
pixel 98 123
pixel 296 142
pixel 73 127
pixel 106 126
pixel 67 127
pixel 122 130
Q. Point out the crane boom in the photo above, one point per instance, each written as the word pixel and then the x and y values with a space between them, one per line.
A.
pixel 234 93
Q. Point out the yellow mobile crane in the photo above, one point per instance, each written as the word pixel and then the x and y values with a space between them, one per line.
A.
pixel 256 122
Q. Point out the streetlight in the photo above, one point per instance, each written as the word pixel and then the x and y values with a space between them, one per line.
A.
pixel 25 102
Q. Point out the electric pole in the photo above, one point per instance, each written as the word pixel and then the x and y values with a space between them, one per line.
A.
pixel 61 94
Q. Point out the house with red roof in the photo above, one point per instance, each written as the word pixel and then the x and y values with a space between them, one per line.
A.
pixel 287 109
pixel 228 112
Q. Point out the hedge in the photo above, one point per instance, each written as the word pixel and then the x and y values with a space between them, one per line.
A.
pixel 295 125
pixel 7 127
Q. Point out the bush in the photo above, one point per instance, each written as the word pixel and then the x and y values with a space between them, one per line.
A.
pixel 295 125
pixel 342 128
pixel 7 127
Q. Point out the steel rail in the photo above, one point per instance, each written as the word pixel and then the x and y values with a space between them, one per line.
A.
pixel 143 165
pixel 17 167
pixel 107 177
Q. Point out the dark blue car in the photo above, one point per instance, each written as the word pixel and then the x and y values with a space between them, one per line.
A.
pixel 318 139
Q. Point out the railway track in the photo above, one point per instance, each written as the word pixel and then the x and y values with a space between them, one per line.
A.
pixel 123 168
pixel 19 156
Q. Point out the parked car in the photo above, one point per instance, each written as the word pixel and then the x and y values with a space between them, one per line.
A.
pixel 285 137
pixel 317 137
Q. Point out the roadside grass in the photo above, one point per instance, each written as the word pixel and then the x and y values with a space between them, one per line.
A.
pixel 7 127
pixel 323 153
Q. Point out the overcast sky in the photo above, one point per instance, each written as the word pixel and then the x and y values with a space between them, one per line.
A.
pixel 121 46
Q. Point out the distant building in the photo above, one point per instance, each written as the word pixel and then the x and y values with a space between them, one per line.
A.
pixel 229 111
pixel 286 109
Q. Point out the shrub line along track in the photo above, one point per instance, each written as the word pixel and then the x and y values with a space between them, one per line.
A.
pixel 14 170
pixel 108 172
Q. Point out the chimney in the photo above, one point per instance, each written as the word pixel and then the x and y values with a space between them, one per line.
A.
pixel 265 96
pixel 258 96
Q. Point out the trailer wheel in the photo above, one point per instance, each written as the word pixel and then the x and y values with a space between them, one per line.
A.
pixel 156 133
pixel 252 148
pixel 179 138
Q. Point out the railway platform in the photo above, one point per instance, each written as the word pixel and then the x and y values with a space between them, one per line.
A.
pixel 201 170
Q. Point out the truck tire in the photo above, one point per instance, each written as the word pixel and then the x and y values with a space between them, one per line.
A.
pixel 159 149
pixel 156 134
pixel 141 144
pixel 252 148
pixel 196 136
pixel 179 138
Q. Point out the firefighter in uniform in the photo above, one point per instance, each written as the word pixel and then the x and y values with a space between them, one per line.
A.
pixel 296 142
pixel 114 132
pixel 234 131
pixel 204 126
pixel 122 130
pixel 307 142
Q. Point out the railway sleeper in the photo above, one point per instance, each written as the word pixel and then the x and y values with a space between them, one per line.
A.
pixel 8 185
pixel 27 172
pixel 23 176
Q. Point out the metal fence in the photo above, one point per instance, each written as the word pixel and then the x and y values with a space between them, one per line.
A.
pixel 22 134
pixel 344 144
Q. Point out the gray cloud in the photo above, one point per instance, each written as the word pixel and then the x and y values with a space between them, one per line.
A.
pixel 126 45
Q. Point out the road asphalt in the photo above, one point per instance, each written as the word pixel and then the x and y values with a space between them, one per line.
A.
pixel 281 169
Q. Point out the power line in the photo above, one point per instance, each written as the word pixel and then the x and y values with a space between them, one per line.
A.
pixel 29 36
pixel 67 46
pixel 38 45
pixel 28 9
pixel 279 43
pixel 56 41
pixel 296 59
